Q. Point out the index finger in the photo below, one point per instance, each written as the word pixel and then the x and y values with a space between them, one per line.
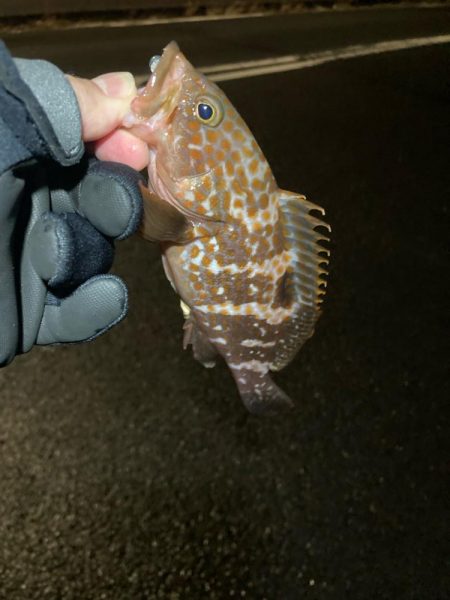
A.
pixel 123 147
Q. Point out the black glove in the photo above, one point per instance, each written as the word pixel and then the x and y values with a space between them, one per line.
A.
pixel 59 216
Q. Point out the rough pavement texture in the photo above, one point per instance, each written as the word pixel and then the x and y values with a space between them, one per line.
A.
pixel 128 471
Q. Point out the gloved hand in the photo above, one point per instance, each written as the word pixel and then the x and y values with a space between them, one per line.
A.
pixel 58 226
pixel 60 214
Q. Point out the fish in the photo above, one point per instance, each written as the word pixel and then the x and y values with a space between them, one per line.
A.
pixel 245 257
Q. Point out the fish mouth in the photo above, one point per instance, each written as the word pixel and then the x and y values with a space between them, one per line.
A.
pixel 161 94
pixel 154 108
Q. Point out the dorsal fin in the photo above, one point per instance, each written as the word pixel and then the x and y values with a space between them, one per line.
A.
pixel 303 240
pixel 304 284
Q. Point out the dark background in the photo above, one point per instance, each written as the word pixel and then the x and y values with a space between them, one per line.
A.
pixel 128 471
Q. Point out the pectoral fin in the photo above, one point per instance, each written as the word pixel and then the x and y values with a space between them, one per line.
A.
pixel 162 222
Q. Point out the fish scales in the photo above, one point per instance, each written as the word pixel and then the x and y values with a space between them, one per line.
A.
pixel 243 255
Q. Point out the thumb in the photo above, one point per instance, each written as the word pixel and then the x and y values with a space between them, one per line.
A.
pixel 103 102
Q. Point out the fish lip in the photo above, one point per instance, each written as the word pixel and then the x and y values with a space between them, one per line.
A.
pixel 163 68
pixel 163 88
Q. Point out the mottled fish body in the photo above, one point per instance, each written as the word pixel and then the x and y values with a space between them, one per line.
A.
pixel 243 255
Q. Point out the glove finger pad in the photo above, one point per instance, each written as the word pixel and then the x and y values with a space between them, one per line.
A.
pixel 111 200
pixel 90 311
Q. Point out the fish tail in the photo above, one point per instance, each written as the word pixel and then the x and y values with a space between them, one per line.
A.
pixel 260 395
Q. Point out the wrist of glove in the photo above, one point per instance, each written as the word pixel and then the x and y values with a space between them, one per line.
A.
pixel 58 223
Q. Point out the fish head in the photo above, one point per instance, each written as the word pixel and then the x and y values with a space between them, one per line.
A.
pixel 198 142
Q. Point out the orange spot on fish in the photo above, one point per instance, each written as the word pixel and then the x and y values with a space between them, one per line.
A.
pixel 251 201
pixel 263 245
pixel 194 125
pixel 206 261
pixel 249 153
pixel 252 211
pixel 228 126
pixel 220 260
pixel 253 166
pixel 236 156
pixel 226 145
pixel 264 201
pixel 220 155
pixel 257 184
pixel 202 231
pixel 238 135
pixel 195 154
pixel 212 136
pixel 236 187
pixel 242 176
pixel 200 196
pixel 209 149
pixel 196 139
pixel 221 185
pixel 195 251
pixel 266 215
pixel 229 168
pixel 238 204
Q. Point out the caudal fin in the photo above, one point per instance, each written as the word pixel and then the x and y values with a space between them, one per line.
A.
pixel 260 395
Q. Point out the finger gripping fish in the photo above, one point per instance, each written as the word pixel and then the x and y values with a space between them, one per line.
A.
pixel 242 254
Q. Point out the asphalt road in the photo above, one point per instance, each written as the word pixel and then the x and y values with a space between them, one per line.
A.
pixel 130 472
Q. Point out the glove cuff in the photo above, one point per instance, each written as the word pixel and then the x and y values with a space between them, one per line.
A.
pixel 55 96
pixel 36 93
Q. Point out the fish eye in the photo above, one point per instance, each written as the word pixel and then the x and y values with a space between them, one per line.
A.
pixel 205 111
pixel 209 111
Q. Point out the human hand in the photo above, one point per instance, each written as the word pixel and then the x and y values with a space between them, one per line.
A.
pixel 60 211
pixel 104 102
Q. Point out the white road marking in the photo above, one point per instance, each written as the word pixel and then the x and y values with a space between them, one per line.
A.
pixel 295 62
pixel 248 64
pixel 99 23
pixel 320 58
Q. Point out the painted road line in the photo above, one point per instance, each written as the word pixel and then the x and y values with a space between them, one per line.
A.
pixel 248 64
pixel 294 62
pixel 320 58
pixel 152 21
